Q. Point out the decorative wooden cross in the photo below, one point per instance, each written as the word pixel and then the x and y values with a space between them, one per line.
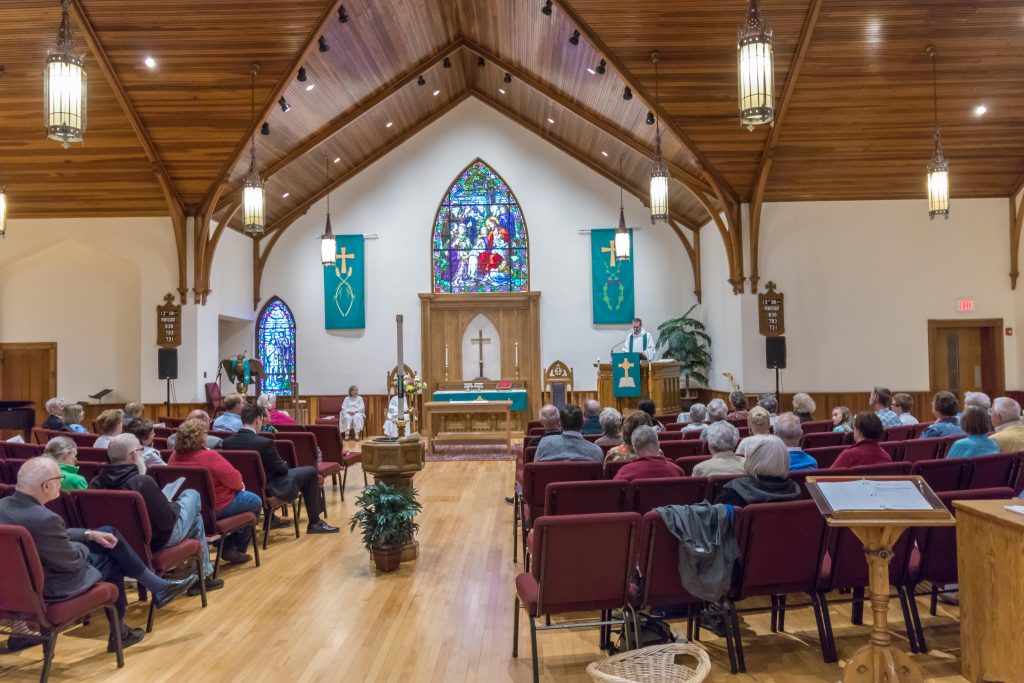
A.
pixel 610 250
pixel 626 366
pixel 481 340
pixel 344 256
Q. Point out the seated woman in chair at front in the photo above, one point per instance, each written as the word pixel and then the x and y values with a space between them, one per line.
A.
pixel 353 413
pixel 390 425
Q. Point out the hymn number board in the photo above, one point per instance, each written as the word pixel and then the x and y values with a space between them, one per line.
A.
pixel 772 312
pixel 168 324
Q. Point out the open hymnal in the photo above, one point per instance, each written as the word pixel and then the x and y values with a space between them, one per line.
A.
pixel 172 488
pixel 868 494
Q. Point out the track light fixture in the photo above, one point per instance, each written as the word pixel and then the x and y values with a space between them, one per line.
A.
pixel 575 38
pixel 627 94
pixel 342 15
pixel 546 9
pixel 265 128
pixel 480 61
pixel 322 45
pixel 650 118
pixel 302 75
pixel 283 103
pixel 508 77
pixel 602 67
pixel 421 81
pixel 447 63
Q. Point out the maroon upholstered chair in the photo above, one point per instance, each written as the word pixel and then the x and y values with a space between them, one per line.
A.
pixel 250 466
pixel 332 451
pixel 612 468
pixel 532 425
pixel 654 493
pixel 286 449
pixel 21 597
pixel 800 477
pixel 6 490
pixel 64 505
pixel 20 451
pixel 306 452
pixel 214 399
pixel 886 469
pixel 171 422
pixel 290 428
pixel 691 461
pixel 716 483
pixel 164 432
pixel 821 439
pixel 43 436
pixel 587 497
pixel 919 429
pixel 88 454
pixel 603 543
pixel 536 477
pixel 815 426
pixel 991 471
pixel 683 448
pixel 893 448
pixel 825 456
pixel 9 470
pixel 901 433
pixel 670 435
pixel 217 530
pixel 658 564
pixel 690 435
pixel 675 426
pixel 944 475
pixel 781 550
pixel 88 469
pixel 126 511
pixel 328 410
pixel 917 450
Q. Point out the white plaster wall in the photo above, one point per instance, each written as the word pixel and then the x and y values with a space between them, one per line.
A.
pixel 397 198
pixel 720 311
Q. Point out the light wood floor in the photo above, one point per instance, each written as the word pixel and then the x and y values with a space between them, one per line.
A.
pixel 317 611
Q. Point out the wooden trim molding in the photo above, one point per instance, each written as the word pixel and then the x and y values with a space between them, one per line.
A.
pixel 1016 220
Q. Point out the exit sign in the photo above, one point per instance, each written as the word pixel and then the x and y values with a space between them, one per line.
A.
pixel 965 305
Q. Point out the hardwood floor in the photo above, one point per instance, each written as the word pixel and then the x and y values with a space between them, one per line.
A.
pixel 317 611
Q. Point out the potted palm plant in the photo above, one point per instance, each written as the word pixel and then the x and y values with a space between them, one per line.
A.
pixel 386 519
pixel 683 339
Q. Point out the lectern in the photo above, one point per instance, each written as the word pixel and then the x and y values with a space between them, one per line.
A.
pixel 659 381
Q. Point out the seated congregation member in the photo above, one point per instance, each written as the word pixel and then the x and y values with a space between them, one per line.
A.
pixel 353 413
pixel 944 408
pixel 625 451
pixel 212 442
pixel 977 399
pixel 64 452
pixel 570 444
pixel 1009 431
pixel 230 496
pixel 771 404
pixel 789 430
pixel 723 439
pixel 881 399
pixel 144 431
pixel 391 419
pixel 867 430
pixel 74 560
pixel 647 406
pixel 284 482
pixel 759 422
pixel 842 419
pixel 55 412
pixel 766 466
pixel 277 417
pixel 902 404
pixel 650 462
pixel 109 424
pixel 230 420
pixel 738 401
pixel 549 420
pixel 611 428
pixel 132 411
pixel 698 416
pixel 717 411
pixel 171 521
pixel 591 417
pixel 976 424
pixel 804 407
pixel 74 415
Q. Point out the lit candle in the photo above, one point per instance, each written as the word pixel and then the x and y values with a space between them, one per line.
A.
pixel 446 355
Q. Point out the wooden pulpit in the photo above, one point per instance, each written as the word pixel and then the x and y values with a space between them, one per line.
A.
pixel 659 381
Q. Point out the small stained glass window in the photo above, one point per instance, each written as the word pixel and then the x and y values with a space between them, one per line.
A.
pixel 275 339
pixel 479 241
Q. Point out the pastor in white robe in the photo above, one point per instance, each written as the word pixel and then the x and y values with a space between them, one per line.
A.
pixel 640 343
pixel 353 415
pixel 390 427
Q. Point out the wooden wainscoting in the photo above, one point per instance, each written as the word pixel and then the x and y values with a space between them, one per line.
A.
pixel 153 410
pixel 825 401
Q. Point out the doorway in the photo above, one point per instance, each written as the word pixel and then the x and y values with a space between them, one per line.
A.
pixel 28 372
pixel 966 355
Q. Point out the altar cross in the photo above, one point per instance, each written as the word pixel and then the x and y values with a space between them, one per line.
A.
pixel 610 250
pixel 481 340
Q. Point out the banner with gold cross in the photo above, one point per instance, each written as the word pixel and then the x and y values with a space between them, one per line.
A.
pixel 611 279
pixel 626 375
pixel 344 290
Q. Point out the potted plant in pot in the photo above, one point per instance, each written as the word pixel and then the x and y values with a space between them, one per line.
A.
pixel 385 518
pixel 683 339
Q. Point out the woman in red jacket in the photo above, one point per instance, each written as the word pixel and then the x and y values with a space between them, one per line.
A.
pixel 229 495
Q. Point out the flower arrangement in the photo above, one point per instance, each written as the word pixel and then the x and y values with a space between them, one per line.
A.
pixel 413 384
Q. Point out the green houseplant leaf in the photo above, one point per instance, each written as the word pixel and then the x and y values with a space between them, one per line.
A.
pixel 386 516
pixel 685 340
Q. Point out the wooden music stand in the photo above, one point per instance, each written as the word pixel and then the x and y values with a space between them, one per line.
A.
pixel 879 530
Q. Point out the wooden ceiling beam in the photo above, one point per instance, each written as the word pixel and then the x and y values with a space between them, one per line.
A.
pixel 764 166
pixel 1016 221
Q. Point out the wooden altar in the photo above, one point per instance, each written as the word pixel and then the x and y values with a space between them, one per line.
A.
pixel 659 382
pixel 468 422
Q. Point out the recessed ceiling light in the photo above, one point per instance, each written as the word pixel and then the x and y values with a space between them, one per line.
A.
pixel 436 93
pixel 550 120
pixel 337 159
pixel 310 87
pixel 980 109
pixel 150 62
pixel 591 71
pixel 285 195
pixel 604 153
pixel 389 124
pixel 501 90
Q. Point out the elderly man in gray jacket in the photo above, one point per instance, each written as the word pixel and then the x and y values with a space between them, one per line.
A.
pixel 570 444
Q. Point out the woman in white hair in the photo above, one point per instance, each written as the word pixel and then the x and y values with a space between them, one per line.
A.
pixel 767 480
pixel 353 413
pixel 277 417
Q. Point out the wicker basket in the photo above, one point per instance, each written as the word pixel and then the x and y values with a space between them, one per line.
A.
pixel 654 664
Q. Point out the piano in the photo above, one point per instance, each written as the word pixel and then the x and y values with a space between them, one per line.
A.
pixel 17 415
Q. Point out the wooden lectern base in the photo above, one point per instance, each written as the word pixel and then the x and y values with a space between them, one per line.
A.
pixel 873 663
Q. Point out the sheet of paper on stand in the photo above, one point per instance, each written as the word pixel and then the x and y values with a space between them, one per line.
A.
pixel 866 494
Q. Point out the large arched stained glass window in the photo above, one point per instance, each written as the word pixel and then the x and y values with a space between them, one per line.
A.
pixel 275 342
pixel 480 241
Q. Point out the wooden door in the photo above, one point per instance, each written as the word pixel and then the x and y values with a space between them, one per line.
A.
pixel 28 372
pixel 966 355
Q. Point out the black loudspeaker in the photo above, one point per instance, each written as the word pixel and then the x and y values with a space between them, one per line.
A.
pixel 775 352
pixel 167 363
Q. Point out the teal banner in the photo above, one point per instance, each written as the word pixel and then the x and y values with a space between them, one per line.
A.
pixel 611 279
pixel 626 375
pixel 344 288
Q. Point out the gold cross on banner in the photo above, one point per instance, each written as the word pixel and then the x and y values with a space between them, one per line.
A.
pixel 610 250
pixel 626 366
pixel 344 256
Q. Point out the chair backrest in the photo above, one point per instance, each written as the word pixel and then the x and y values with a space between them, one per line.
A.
pixel 689 462
pixel 649 494
pixel 944 475
pixel 286 449
pixel 123 510
pixel 848 567
pixel 922 449
pixel 328 440
pixel 88 469
pixel 65 506
pixel 196 478
pixel 901 433
pixel 682 448
pixel 9 470
pixel 666 435
pixel 885 469
pixel 659 565
pixel 88 454
pixel 304 444
pixel 214 397
pixel 164 432
pixel 21 451
pixel 604 544
pixel 160 443
pixel 296 428
pixel 534 425
pixel 825 456
pixel 821 439
pixel 171 422
pixel 537 476
pixel 919 429
pixel 800 477
pixel 893 448
pixel 737 421
pixel 612 468
pixel 250 466
pixel 529 454
pixel 815 426
pixel 330 406
pixel 691 434
pixel 43 436
pixel 716 483
pixel 781 548
pixel 947 442
pixel 7 490
pixel 991 471
pixel 591 437
pixel 587 497
pixel 675 426
pixel 21 591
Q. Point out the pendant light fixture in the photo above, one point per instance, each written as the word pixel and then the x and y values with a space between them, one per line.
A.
pixel 3 210
pixel 938 169
pixel 64 86
pixel 756 67
pixel 254 216
pixel 622 241
pixel 659 173
pixel 328 247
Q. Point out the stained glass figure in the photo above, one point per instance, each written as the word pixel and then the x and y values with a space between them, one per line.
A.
pixel 480 241
pixel 275 340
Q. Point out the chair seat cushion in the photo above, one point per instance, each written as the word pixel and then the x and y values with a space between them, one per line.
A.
pixel 275 502
pixel 529 591
pixel 349 458
pixel 66 611
pixel 326 469
pixel 235 522
pixel 169 557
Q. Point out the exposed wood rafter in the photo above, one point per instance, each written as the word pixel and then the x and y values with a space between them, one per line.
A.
pixel 1016 220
